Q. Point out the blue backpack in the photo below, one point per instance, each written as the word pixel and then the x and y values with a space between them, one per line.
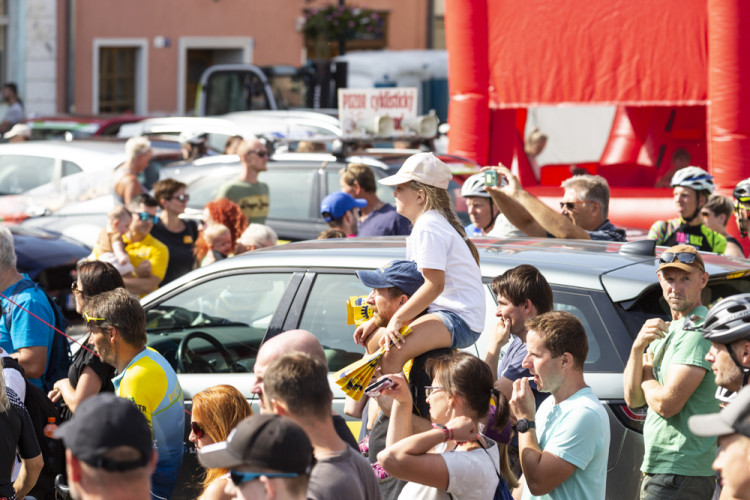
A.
pixel 59 356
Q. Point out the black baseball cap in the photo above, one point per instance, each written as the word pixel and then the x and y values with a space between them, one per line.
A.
pixel 266 442
pixel 402 274
pixel 104 422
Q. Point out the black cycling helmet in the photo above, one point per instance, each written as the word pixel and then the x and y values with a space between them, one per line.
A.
pixel 727 321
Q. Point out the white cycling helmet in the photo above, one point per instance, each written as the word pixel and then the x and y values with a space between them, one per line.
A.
pixel 694 178
pixel 728 321
pixel 474 186
pixel 742 191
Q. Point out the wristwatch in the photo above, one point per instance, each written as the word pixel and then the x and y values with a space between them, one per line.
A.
pixel 524 425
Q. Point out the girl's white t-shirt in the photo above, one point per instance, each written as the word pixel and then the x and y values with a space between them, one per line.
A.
pixel 472 475
pixel 435 244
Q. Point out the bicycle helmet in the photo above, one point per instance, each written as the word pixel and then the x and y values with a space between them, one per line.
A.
pixel 742 191
pixel 474 186
pixel 728 320
pixel 694 178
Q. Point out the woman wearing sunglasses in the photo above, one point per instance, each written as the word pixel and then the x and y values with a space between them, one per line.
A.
pixel 88 375
pixel 216 412
pixel 179 235
pixel 453 460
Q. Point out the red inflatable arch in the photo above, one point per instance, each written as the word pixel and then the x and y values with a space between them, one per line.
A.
pixel 678 70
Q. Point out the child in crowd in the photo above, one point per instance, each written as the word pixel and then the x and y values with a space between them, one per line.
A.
pixel 219 241
pixel 110 247
pixel 452 292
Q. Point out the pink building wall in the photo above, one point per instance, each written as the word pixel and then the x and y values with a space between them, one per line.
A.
pixel 271 23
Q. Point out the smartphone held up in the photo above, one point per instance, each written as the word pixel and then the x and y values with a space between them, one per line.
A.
pixel 491 178
pixel 378 386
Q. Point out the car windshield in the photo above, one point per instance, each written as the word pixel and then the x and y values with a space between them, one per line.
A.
pixel 19 174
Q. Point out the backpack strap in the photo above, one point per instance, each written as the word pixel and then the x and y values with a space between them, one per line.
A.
pixel 12 363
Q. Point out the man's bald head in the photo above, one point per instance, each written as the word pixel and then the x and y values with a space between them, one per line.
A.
pixel 284 343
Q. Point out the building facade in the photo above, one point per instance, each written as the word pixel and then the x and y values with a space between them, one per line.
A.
pixel 146 56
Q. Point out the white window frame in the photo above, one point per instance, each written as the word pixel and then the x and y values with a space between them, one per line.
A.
pixel 141 69
pixel 185 43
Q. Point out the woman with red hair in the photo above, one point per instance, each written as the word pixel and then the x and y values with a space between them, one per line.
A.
pixel 224 212
pixel 216 411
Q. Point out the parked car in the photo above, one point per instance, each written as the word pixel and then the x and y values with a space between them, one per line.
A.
pixel 49 259
pixel 77 126
pixel 37 177
pixel 297 183
pixel 210 323
pixel 306 178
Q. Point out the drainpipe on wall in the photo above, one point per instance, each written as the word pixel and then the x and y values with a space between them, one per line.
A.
pixel 70 57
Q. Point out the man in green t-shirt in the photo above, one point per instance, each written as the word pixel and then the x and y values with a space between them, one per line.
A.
pixel 667 371
pixel 247 191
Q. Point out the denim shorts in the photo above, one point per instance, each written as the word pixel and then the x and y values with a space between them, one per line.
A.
pixel 461 335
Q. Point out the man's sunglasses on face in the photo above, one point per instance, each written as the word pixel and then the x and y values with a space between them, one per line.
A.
pixel 144 216
pixel 260 153
pixel 571 205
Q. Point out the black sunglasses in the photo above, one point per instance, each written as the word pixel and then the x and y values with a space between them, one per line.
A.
pixel 181 197
pixel 144 216
pixel 238 478
pixel 260 153
pixel 571 205
pixel 74 288
pixel 197 430
pixel 684 257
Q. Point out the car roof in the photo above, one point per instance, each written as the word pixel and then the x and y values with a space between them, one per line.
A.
pixel 86 153
pixel 586 264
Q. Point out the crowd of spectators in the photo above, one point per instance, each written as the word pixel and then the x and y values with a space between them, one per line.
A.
pixel 447 424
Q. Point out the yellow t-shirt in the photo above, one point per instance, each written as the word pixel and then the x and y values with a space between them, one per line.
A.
pixel 151 249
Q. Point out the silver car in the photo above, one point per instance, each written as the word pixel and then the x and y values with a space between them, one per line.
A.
pixel 210 323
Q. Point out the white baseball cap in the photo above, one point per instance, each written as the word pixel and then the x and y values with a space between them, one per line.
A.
pixel 421 167
pixel 19 129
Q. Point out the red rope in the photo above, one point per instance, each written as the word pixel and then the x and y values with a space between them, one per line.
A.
pixel 51 326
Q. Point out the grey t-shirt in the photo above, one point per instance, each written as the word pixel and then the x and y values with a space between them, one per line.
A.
pixel 14 114
pixel 345 476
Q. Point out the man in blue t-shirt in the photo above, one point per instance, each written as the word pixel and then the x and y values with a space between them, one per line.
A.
pixel 522 293
pixel 377 218
pixel 25 337
pixel 564 444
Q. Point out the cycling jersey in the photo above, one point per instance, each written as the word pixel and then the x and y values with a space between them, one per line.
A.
pixel 678 232
pixel 151 383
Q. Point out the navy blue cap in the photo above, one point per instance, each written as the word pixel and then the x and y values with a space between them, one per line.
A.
pixel 402 274
pixel 337 204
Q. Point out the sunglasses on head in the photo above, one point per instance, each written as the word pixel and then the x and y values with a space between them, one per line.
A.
pixel 197 429
pixel 684 257
pixel 181 197
pixel 89 318
pixel 144 216
pixel 239 478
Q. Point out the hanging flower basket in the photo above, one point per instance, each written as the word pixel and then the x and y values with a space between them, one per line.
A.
pixel 350 23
